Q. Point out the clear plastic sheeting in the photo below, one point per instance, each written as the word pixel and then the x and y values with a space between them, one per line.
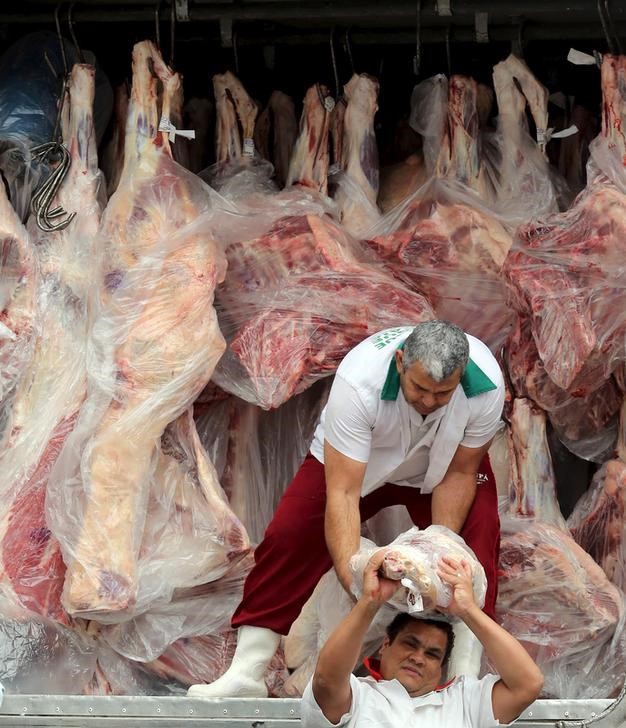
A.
pixel 558 602
pixel 598 522
pixel 444 240
pixel 295 301
pixel 413 558
pixel 153 346
pixel 257 453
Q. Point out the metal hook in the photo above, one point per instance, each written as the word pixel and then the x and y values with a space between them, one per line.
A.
pixel 448 52
pixel 417 61
pixel 605 27
pixel 235 53
pixel 70 23
pixel 57 22
pixel 157 25
pixel 348 46
pixel 609 18
pixel 334 61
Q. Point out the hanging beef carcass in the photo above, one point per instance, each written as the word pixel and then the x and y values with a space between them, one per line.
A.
pixel 598 522
pixel 357 187
pixel 566 275
pixel 443 241
pixel 298 297
pixel 52 386
pixel 154 344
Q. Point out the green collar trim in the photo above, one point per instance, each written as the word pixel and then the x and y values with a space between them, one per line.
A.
pixel 474 381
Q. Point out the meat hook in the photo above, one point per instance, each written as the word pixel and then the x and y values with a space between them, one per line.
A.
pixel 157 25
pixel 609 17
pixel 348 47
pixel 417 61
pixel 448 52
pixel 42 199
pixel 172 33
pixel 70 23
pixel 334 61
pixel 605 27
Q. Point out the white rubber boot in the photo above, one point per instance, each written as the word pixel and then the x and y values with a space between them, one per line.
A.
pixel 245 678
pixel 466 653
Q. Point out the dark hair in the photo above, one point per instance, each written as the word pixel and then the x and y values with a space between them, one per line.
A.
pixel 401 620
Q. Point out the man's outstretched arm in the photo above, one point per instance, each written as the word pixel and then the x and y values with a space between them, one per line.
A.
pixel 331 680
pixel 520 679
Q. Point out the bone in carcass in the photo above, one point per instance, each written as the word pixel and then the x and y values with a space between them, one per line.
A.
pixel 234 107
pixel 198 115
pixel 558 602
pixel 113 154
pixel 533 486
pixel 52 387
pixel 358 188
pixel 310 158
pixel 156 341
pixel 296 299
pixel 566 272
pixel 598 522
pixel 442 241
pixel 285 133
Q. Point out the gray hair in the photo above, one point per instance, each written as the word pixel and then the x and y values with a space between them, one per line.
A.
pixel 439 346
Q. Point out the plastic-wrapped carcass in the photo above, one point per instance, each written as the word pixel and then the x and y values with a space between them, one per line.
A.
pixel 567 279
pixel 152 349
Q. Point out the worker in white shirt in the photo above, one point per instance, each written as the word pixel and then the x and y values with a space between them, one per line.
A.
pixel 412 658
pixel 409 420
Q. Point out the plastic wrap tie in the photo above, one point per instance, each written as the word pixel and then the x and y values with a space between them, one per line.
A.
pixel 544 135
pixel 413 598
pixel 579 58
pixel 248 147
pixel 165 125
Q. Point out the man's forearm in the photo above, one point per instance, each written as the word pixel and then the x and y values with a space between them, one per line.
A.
pixel 342 526
pixel 452 500
pixel 511 661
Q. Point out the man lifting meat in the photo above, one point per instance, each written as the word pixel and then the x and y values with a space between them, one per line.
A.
pixel 409 420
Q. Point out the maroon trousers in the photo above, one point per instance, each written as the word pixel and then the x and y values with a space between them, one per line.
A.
pixel 293 556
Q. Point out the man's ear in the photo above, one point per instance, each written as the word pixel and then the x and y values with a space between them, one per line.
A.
pixel 399 360
pixel 384 645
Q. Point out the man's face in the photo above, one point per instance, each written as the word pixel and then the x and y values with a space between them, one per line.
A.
pixel 414 657
pixel 420 391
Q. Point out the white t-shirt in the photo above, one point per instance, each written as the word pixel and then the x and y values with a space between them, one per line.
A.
pixel 361 425
pixel 466 703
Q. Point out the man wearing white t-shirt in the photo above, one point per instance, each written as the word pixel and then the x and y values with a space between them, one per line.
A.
pixel 409 420
pixel 408 689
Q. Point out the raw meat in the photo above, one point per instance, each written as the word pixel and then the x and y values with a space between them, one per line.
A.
pixel 309 162
pixel 233 106
pixel 443 241
pixel 298 298
pixel 533 487
pixel 398 181
pixel 584 421
pixel 558 602
pixel 52 387
pixel 598 522
pixel 358 187
pixel 413 558
pixel 154 344
pixel 566 273
pixel 257 453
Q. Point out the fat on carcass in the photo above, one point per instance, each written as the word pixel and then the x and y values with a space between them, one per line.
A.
pixel 357 184
pixel 566 283
pixel 300 295
pixel 153 346
pixel 52 386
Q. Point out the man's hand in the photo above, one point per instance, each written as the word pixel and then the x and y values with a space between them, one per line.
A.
pixel 458 575
pixel 377 589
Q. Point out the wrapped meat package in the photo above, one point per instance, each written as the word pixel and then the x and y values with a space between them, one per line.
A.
pixel 558 602
pixel 412 558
